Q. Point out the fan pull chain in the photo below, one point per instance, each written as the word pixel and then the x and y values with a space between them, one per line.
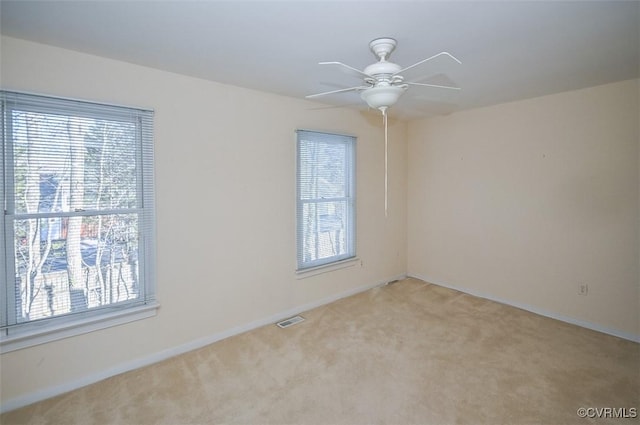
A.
pixel 386 163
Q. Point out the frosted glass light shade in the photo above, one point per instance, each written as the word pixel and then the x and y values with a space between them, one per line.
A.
pixel 382 96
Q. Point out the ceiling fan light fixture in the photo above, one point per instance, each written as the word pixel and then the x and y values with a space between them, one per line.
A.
pixel 382 96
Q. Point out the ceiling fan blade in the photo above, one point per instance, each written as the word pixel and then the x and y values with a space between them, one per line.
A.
pixel 434 85
pixel 350 68
pixel 311 96
pixel 345 105
pixel 428 59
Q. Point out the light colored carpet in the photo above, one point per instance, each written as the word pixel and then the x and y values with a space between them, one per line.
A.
pixel 406 353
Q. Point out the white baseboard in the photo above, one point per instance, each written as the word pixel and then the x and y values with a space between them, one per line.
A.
pixel 536 310
pixel 25 400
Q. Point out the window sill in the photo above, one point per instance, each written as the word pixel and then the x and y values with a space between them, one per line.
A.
pixel 313 271
pixel 53 333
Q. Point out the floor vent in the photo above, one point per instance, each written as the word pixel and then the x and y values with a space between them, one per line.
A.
pixel 290 322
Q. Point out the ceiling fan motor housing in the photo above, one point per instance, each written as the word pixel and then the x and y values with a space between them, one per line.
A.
pixel 382 68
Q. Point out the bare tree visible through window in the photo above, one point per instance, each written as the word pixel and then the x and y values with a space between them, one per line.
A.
pixel 326 223
pixel 75 207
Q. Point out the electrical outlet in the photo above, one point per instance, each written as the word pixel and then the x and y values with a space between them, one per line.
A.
pixel 583 289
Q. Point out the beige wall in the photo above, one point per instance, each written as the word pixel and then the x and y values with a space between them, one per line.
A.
pixel 525 201
pixel 225 176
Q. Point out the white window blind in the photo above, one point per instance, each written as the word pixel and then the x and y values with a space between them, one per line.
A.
pixel 78 222
pixel 325 198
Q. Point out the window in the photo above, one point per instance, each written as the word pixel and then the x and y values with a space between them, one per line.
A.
pixel 78 222
pixel 325 198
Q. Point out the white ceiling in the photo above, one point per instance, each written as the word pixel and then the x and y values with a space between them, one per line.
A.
pixel 509 50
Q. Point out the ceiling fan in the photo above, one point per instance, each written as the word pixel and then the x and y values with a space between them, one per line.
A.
pixel 383 84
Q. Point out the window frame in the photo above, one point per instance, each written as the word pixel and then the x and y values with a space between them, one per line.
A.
pixel 341 260
pixel 16 335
